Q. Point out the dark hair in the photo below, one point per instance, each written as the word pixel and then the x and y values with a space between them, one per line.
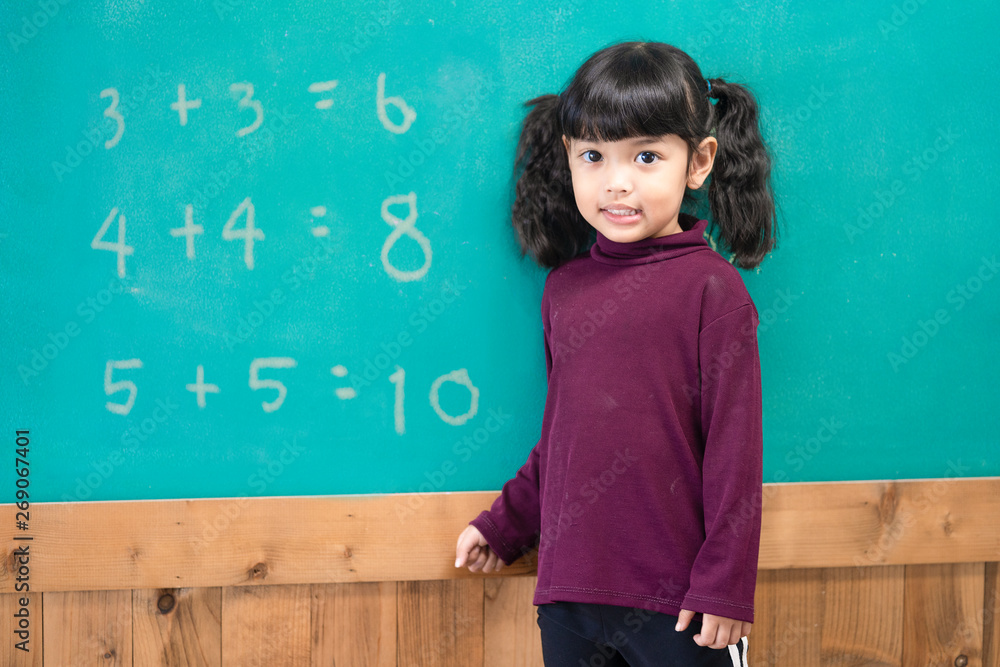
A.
pixel 637 89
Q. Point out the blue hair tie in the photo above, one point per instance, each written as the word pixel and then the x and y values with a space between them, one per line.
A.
pixel 709 87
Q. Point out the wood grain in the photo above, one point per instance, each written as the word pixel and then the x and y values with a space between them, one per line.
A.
pixel 353 539
pixel 263 626
pixel 511 637
pixel 788 618
pixel 991 615
pixel 862 616
pixel 354 624
pixel 88 628
pixel 942 620
pixel 881 523
pixel 876 616
pixel 440 623
pixel 177 626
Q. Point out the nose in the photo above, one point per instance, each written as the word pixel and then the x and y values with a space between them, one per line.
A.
pixel 619 178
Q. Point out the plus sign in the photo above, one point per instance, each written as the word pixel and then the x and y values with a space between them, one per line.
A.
pixel 189 230
pixel 181 106
pixel 200 388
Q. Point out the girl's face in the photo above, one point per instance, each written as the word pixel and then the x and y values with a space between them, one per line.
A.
pixel 632 189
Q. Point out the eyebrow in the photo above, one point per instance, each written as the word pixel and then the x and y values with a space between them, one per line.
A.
pixel 636 141
pixel 642 141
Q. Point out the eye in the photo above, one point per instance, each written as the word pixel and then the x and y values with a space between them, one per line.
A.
pixel 591 156
pixel 647 157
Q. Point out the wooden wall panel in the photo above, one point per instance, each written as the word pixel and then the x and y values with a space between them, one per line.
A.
pixel 264 626
pixel 862 623
pixel 351 539
pixel 879 616
pixel 942 618
pixel 354 624
pixel 9 653
pixel 788 617
pixel 440 623
pixel 896 577
pixel 511 637
pixel 88 628
pixel 177 626
pixel 945 520
pixel 991 615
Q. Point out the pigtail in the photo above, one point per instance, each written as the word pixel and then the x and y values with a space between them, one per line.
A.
pixel 740 193
pixel 545 216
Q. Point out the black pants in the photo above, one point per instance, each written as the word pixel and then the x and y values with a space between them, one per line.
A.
pixel 577 634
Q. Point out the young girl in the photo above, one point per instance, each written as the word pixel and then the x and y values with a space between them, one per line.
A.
pixel 643 493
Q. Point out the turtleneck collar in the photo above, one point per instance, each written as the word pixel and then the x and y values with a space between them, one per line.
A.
pixel 653 249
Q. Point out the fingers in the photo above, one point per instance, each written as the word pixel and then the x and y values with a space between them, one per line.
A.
pixel 715 634
pixel 683 619
pixel 466 540
pixel 493 563
pixel 473 550
pixel 708 631
pixel 732 636
pixel 484 559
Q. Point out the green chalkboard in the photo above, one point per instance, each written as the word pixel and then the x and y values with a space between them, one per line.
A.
pixel 257 249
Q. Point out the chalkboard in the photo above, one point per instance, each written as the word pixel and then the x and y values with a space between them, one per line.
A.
pixel 257 249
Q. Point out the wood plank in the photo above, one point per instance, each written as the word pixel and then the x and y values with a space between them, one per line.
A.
pixel 832 617
pixel 177 626
pixel 88 628
pixel 511 634
pixel 991 615
pixel 264 626
pixel 788 618
pixel 440 623
pixel 352 539
pixel 862 623
pixel 354 624
pixel 30 653
pixel 942 617
pixel 880 523
pixel 246 541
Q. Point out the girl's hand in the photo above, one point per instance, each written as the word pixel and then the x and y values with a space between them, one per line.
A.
pixel 716 631
pixel 473 549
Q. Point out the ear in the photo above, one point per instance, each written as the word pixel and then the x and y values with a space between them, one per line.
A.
pixel 701 162
pixel 565 143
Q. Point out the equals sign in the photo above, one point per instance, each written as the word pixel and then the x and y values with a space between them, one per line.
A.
pixel 319 230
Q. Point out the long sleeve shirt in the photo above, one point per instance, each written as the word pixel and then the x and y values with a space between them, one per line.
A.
pixel 644 489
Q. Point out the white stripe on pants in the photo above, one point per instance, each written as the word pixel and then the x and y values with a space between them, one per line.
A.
pixel 735 651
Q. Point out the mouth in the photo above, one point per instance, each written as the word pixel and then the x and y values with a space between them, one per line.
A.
pixel 622 215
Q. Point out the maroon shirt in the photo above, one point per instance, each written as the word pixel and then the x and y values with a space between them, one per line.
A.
pixel 644 489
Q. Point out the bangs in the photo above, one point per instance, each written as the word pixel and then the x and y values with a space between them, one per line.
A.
pixel 629 95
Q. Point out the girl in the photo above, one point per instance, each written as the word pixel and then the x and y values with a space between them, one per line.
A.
pixel 643 493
